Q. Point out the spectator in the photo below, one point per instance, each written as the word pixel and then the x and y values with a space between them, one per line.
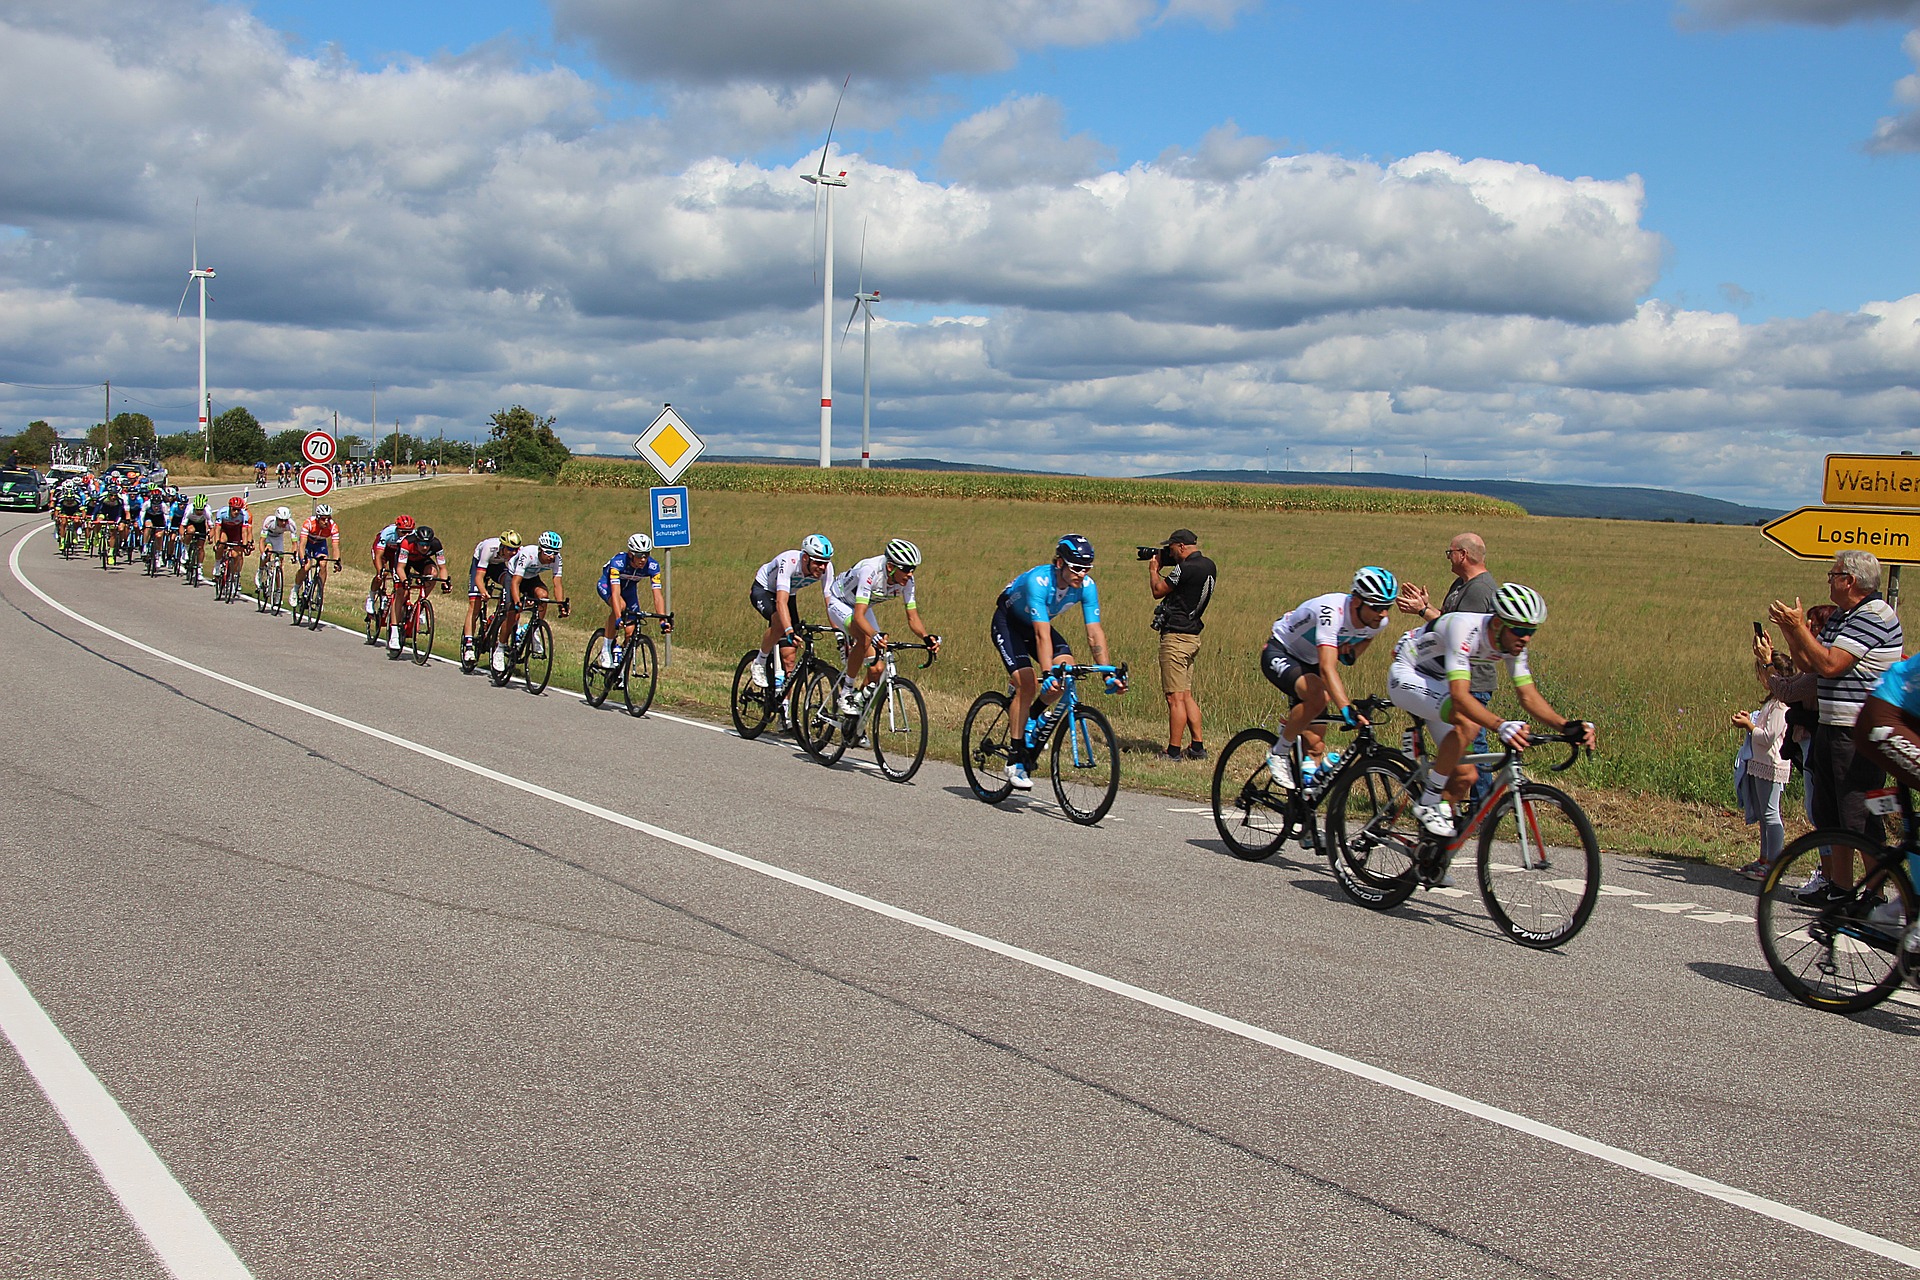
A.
pixel 1761 772
pixel 1859 642
pixel 1471 591
pixel 1181 579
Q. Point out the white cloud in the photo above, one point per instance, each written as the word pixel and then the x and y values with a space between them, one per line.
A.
pixel 1021 142
pixel 1831 13
pixel 1902 132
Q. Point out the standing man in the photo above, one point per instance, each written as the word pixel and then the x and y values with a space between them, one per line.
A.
pixel 1849 655
pixel 1181 579
pixel 1471 591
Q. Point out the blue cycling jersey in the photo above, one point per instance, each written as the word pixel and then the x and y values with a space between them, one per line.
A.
pixel 631 570
pixel 1901 685
pixel 1033 597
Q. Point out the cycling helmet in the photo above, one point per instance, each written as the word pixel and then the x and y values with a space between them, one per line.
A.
pixel 1376 586
pixel 423 535
pixel 550 541
pixel 282 514
pixel 1074 549
pixel 323 512
pixel 1519 605
pixel 403 524
pixel 236 503
pixel 902 554
pixel 639 544
pixel 510 540
pixel 199 502
pixel 816 545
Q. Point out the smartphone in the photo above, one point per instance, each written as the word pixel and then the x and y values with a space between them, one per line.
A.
pixel 1759 632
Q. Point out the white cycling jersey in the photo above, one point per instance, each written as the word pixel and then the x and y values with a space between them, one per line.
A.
pixel 782 573
pixel 1322 621
pixel 1453 645
pixel 277 534
pixel 488 552
pixel 866 583
pixel 526 563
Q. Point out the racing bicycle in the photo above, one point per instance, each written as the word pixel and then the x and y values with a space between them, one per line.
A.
pixel 1255 815
pixel 226 574
pixel 530 655
pixel 753 705
pixel 414 609
pixel 635 674
pixel 892 717
pixel 270 583
pixel 309 594
pixel 1084 763
pixel 486 630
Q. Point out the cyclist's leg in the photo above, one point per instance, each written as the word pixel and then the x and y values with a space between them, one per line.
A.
pixel 474 593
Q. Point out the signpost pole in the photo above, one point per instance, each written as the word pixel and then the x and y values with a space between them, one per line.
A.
pixel 666 571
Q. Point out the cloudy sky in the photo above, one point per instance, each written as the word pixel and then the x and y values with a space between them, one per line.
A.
pixel 1601 241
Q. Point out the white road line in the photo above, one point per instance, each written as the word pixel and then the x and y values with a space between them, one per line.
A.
pixel 176 1228
pixel 1891 1250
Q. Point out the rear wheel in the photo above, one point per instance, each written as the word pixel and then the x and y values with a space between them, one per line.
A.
pixel 1253 814
pixel 1846 956
pixel 422 639
pixel 643 674
pixel 1539 866
pixel 1086 766
pixel 818 723
pixel 1373 833
pixel 373 619
pixel 536 660
pixel 752 706
pixel 595 680
pixel 898 727
pixel 985 743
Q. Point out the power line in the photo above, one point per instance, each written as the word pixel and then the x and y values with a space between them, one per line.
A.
pixel 31 386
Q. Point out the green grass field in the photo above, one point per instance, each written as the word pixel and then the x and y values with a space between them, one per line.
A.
pixel 1648 636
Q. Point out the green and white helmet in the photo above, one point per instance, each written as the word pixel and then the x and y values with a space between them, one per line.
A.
pixel 1521 606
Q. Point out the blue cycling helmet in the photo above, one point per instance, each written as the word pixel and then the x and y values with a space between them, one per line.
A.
pixel 1376 586
pixel 817 545
pixel 1074 549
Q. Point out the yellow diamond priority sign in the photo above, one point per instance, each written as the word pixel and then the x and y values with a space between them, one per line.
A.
pixel 669 445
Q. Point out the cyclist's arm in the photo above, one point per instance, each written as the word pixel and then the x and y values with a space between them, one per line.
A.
pixel 1536 706
pixel 659 599
pixel 1330 676
pixel 1460 690
pixel 1043 643
pixel 914 624
pixel 782 612
pixel 1097 642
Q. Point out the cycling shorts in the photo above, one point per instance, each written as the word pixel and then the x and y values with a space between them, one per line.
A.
pixel 1283 670
pixel 764 600
pixel 629 593
pixel 1427 698
pixel 232 534
pixel 1015 642
pixel 531 586
pixel 494 575
pixel 314 549
pixel 155 519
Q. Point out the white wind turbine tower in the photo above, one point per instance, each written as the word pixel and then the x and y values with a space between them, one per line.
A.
pixel 202 274
pixel 863 306
pixel 826 182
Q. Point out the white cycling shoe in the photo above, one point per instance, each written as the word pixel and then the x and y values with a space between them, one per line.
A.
pixel 757 673
pixel 1435 819
pixel 499 659
pixel 1282 770
pixel 1017 777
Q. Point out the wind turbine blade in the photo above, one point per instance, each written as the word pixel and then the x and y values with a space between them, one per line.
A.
pixel 861 286
pixel 851 317
pixel 822 170
pixel 183 298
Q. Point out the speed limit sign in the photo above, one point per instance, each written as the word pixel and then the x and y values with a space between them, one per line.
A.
pixel 316 481
pixel 317 447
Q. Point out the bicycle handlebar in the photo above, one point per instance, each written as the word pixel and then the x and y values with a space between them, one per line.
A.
pixel 926 645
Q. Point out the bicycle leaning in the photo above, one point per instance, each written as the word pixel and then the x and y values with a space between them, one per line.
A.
pixel 1084 762
pixel 1255 815
pixel 636 670
pixel 892 718
pixel 1537 857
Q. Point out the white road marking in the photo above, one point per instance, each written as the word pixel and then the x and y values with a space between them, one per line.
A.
pixel 1891 1250
pixel 1669 908
pixel 1615 891
pixel 176 1229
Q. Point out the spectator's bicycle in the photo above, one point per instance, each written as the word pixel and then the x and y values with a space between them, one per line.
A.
pixel 1844 950
pixel 530 656
pixel 1255 815
pixel 1083 761
pixel 637 672
pixel 753 706
pixel 892 716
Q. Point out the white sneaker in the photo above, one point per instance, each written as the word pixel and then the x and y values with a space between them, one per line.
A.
pixel 1017 777
pixel 499 659
pixel 1888 915
pixel 609 657
pixel 757 673
pixel 848 703
pixel 1282 770
pixel 1435 819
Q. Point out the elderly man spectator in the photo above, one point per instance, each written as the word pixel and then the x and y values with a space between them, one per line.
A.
pixel 1847 656
pixel 1471 591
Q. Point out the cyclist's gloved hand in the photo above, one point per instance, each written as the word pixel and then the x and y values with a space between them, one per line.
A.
pixel 1049 684
pixel 666 625
pixel 1350 716
pixel 445 586
pixel 566 607
pixel 1115 684
pixel 1513 732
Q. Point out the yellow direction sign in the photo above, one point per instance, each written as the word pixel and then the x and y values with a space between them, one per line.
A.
pixel 1815 533
pixel 1871 480
pixel 669 445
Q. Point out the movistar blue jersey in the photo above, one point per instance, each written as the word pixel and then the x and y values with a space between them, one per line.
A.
pixel 1033 597
pixel 1901 685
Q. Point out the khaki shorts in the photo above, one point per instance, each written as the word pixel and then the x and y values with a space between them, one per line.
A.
pixel 1177 653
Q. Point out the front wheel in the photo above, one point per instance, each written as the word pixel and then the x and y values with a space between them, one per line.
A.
pixel 1373 833
pixel 1252 814
pixel 277 587
pixel 1842 956
pixel 1539 866
pixel 752 705
pixel 1086 766
pixel 898 727
pixel 818 723
pixel 985 747
pixel 642 675
pixel 422 639
pixel 536 657
pixel 373 619
pixel 595 680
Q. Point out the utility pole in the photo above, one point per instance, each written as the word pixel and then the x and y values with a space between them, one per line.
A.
pixel 106 426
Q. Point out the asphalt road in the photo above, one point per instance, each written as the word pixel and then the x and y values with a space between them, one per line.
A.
pixel 454 981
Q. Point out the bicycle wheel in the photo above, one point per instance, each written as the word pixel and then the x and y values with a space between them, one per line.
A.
pixel 536 657
pixel 1373 833
pixel 277 586
pixel 595 680
pixel 373 619
pixel 752 706
pixel 1539 866
pixel 818 724
pixel 316 598
pixel 261 591
pixel 422 638
pixel 985 743
pixel 1835 956
pixel 1252 815
pixel 897 724
pixel 1085 765
pixel 642 672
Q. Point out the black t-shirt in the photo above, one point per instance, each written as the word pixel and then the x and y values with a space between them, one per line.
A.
pixel 1179 612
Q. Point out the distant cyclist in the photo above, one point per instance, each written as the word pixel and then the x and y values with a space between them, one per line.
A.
pixel 620 581
pixel 1432 675
pixel 1025 637
pixel 527 585
pixel 772 598
pixel 1310 643
pixel 489 569
pixel 850 604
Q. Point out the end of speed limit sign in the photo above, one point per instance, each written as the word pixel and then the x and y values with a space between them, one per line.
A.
pixel 316 481
pixel 317 446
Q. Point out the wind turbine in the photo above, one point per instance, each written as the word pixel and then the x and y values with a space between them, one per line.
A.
pixel 826 182
pixel 202 274
pixel 863 306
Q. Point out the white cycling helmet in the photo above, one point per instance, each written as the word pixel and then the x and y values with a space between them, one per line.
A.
pixel 282 514
pixel 323 512
pixel 549 541
pixel 1376 586
pixel 639 544
pixel 817 546
pixel 903 554
pixel 1521 606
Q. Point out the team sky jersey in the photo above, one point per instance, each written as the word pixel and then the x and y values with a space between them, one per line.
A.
pixel 1033 597
pixel 424 555
pixel 1450 647
pixel 630 571
pixel 1321 621
pixel 783 573
pixel 275 534
pixel 489 552
pixel 526 563
pixel 1901 685
pixel 866 583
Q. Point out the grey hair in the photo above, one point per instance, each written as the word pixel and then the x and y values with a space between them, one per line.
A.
pixel 1862 566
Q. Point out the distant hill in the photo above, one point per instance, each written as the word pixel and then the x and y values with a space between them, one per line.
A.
pixel 893 464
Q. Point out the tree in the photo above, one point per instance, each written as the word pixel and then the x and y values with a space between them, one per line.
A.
pixel 131 435
pixel 285 446
pixel 524 445
pixel 238 436
pixel 185 444
pixel 35 444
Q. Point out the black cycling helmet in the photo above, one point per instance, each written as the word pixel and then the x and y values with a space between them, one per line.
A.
pixel 423 534
pixel 1074 549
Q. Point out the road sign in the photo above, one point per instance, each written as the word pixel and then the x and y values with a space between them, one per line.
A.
pixel 316 480
pixel 1871 480
pixel 669 445
pixel 1815 533
pixel 317 446
pixel 672 522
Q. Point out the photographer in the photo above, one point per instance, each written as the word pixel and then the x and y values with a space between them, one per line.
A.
pixel 1181 579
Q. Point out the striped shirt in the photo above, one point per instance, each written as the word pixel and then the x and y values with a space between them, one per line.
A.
pixel 1870 631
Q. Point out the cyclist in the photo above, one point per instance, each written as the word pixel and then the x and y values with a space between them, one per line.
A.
pixel 320 540
pixel 386 553
pixel 1309 643
pixel 110 517
pixel 231 542
pixel 628 570
pixel 195 528
pixel 850 608
pixel 260 472
pixel 421 562
pixel 275 539
pixel 1025 637
pixel 526 582
pixel 490 558
pixel 772 598
pixel 1431 677
pixel 153 522
pixel 69 511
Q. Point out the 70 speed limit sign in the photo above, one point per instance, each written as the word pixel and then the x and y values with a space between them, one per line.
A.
pixel 317 446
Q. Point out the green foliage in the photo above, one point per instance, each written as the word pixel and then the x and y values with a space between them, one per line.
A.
pixel 523 444
pixel 184 444
pixel 131 433
pixel 597 473
pixel 35 443
pixel 238 436
pixel 284 446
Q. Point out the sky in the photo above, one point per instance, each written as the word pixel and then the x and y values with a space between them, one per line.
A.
pixel 1665 242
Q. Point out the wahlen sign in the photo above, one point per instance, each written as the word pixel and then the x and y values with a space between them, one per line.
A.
pixel 1871 480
